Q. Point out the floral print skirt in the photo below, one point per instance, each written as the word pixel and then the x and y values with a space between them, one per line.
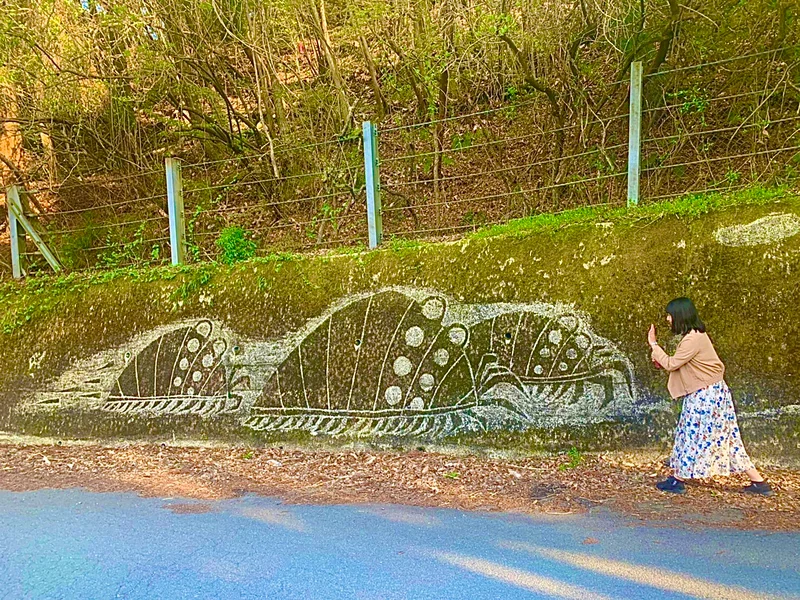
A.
pixel 707 440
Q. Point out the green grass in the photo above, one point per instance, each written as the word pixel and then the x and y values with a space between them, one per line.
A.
pixel 690 205
pixel 397 244
pixel 235 245
pixel 21 301
pixel 278 257
pixel 575 458
pixel 193 283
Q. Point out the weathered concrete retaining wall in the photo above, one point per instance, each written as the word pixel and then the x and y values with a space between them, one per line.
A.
pixel 517 341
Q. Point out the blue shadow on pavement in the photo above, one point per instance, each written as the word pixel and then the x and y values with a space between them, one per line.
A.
pixel 77 544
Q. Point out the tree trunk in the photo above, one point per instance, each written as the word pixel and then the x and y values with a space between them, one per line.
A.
pixel 380 101
pixel 442 103
pixel 320 18
pixel 417 86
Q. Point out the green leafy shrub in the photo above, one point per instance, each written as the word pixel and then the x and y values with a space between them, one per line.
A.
pixel 235 246
pixel 575 457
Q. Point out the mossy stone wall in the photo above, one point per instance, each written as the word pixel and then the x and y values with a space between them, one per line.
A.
pixel 621 272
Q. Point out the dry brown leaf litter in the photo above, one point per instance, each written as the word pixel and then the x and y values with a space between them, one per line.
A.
pixel 623 482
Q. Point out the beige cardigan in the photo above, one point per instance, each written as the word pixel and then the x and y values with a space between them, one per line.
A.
pixel 694 366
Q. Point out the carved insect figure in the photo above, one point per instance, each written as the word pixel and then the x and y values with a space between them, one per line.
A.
pixel 181 372
pixel 394 363
pixel 382 365
pixel 398 362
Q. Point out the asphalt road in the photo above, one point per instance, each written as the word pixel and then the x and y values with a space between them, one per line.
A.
pixel 76 544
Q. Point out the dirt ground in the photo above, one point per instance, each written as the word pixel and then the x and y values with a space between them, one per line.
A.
pixel 563 484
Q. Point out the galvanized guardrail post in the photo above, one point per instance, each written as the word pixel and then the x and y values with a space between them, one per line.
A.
pixel 635 134
pixel 373 183
pixel 16 231
pixel 17 209
pixel 177 222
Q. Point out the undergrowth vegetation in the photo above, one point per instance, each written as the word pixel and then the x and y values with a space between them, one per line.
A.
pixel 488 110
pixel 21 301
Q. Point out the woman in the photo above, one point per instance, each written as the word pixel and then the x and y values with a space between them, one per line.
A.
pixel 707 440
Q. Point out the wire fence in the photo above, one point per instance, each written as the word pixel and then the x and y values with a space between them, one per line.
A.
pixel 309 206
pixel 441 177
pixel 125 224
pixel 715 134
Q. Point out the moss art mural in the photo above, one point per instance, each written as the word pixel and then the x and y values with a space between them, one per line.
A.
pixel 520 339
pixel 401 361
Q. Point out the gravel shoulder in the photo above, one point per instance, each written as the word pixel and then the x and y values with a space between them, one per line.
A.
pixel 562 484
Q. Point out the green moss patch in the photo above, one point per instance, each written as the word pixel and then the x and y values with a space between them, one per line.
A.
pixel 618 267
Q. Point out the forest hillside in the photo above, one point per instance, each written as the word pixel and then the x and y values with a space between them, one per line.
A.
pixel 487 110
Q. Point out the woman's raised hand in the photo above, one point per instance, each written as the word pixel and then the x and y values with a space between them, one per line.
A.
pixel 651 335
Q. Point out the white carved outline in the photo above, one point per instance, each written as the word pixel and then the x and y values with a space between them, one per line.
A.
pixel 267 356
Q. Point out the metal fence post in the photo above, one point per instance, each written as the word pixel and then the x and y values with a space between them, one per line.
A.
pixel 373 182
pixel 18 208
pixel 177 222
pixel 16 231
pixel 635 134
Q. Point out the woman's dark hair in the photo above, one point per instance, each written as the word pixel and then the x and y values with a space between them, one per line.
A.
pixel 684 317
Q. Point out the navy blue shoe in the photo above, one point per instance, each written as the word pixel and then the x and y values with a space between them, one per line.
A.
pixel 671 485
pixel 760 488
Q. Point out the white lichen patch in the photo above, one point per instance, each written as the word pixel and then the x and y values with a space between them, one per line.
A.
pixel 35 361
pixel 602 260
pixel 767 230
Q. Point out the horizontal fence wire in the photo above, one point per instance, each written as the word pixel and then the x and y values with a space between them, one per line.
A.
pixel 144 241
pixel 479 113
pixel 504 140
pixel 277 150
pixel 455 150
pixel 719 130
pixel 722 61
pixel 451 228
pixel 506 194
pixel 253 208
pixel 107 225
pixel 99 268
pixel 267 250
pixel 476 226
pixel 507 169
pixel 61 187
pixel 523 137
pixel 99 207
pixel 235 184
pixel 723 188
pixel 707 64
pixel 276 226
pixel 104 247
pixel 720 158
pixel 716 99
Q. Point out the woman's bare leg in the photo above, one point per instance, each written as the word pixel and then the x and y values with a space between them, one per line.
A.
pixel 754 475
